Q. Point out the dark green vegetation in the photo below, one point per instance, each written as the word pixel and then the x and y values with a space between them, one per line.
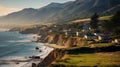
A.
pixel 57 12
pixel 94 21
pixel 99 56
pixel 113 25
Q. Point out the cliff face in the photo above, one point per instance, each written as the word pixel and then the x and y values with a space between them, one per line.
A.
pixel 61 40
pixel 70 41
pixel 54 55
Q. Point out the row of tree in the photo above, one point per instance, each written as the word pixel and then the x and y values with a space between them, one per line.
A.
pixel 111 26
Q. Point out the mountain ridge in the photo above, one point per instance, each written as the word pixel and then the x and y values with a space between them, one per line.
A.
pixel 62 12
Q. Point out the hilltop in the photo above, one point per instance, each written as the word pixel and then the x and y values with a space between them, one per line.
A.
pixel 63 12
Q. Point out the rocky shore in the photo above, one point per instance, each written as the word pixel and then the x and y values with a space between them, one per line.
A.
pixel 54 55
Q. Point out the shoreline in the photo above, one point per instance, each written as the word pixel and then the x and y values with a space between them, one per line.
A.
pixel 26 61
pixel 54 46
pixel 52 56
pixel 23 61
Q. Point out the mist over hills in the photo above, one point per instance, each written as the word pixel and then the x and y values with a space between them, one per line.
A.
pixel 61 12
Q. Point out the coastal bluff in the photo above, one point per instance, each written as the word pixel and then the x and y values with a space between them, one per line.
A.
pixel 54 55
pixel 61 40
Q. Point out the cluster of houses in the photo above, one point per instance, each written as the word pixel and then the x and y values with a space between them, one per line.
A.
pixel 98 37
pixel 86 33
pixel 81 30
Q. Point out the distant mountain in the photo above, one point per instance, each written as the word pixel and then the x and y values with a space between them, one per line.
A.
pixel 61 12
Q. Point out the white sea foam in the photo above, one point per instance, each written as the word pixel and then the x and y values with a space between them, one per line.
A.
pixel 1 29
pixel 19 41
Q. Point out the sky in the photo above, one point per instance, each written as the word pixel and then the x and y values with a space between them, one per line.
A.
pixel 8 6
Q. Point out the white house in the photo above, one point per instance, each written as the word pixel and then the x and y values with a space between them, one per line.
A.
pixel 89 36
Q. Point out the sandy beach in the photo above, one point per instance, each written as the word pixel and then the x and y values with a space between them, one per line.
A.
pixel 54 46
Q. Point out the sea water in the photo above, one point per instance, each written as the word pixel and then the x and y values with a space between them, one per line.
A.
pixel 13 45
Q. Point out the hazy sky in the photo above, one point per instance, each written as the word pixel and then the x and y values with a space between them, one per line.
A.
pixel 8 6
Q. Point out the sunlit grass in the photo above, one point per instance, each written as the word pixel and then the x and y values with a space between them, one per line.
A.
pixel 102 44
pixel 105 18
pixel 78 58
pixel 96 59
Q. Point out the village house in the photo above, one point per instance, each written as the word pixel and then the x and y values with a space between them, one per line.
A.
pixel 103 38
pixel 89 36
pixel 116 41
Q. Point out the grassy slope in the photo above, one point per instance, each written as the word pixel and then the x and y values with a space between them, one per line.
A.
pixel 88 19
pixel 90 59
pixel 105 18
pixel 96 59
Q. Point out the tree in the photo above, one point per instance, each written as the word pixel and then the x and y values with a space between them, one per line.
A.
pixel 113 25
pixel 94 21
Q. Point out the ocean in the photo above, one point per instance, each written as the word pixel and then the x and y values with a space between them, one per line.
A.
pixel 14 45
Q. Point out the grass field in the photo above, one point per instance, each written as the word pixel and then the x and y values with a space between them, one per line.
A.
pixel 95 59
pixel 105 18
pixel 90 57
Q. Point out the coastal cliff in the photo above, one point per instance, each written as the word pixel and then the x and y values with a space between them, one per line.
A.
pixel 54 55
pixel 61 40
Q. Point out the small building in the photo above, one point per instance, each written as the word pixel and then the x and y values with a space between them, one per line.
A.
pixel 103 38
pixel 89 36
pixel 116 41
pixel 98 34
pixel 70 33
